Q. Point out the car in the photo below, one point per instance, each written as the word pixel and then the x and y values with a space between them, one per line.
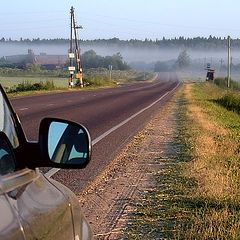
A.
pixel 33 206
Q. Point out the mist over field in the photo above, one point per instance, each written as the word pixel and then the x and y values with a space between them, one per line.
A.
pixel 130 54
pixel 138 57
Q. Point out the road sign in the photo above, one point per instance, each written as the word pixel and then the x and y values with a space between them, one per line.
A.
pixel 71 68
pixel 71 55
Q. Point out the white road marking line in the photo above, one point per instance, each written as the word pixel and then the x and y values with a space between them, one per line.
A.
pixel 52 171
pixel 23 109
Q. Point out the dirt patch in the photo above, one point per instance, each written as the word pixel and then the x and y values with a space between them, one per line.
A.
pixel 110 201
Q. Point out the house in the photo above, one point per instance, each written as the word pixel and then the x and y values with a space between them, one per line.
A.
pixel 47 61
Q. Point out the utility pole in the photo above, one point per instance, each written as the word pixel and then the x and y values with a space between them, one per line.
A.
pixel 110 72
pixel 74 52
pixel 71 67
pixel 229 62
pixel 221 65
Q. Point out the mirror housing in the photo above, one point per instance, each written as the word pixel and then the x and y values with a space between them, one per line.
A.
pixel 64 144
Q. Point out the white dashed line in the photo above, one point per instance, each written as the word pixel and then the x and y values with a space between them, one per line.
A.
pixel 23 109
pixel 96 140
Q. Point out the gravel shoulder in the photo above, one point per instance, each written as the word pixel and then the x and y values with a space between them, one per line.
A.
pixel 110 201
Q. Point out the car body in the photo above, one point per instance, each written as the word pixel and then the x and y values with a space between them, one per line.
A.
pixel 33 206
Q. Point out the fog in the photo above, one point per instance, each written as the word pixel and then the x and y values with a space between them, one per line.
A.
pixel 142 57
pixel 129 54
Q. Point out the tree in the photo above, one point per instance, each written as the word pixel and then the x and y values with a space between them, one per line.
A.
pixel 91 60
pixel 183 59
pixel 161 67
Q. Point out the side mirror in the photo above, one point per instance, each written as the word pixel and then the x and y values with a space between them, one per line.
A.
pixel 64 144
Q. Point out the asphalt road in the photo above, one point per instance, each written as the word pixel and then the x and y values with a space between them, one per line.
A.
pixel 100 111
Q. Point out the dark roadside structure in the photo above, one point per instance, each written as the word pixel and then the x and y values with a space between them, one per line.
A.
pixel 210 75
pixel 210 72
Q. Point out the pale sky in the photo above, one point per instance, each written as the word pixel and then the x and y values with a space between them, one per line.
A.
pixel 124 19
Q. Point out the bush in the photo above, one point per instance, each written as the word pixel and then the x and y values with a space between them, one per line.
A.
pixel 231 102
pixel 95 81
pixel 27 86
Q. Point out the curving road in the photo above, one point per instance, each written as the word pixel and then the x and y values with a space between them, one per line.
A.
pixel 112 116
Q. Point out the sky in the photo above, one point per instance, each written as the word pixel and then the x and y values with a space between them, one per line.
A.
pixel 124 19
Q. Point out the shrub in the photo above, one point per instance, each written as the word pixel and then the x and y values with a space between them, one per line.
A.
pixel 27 86
pixel 231 102
pixel 95 81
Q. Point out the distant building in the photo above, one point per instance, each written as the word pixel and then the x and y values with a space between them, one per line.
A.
pixel 51 61
pixel 22 59
pixel 47 61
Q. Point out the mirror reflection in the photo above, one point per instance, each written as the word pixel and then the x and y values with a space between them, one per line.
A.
pixel 67 143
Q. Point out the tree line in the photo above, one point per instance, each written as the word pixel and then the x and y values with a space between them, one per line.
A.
pixel 210 42
pixel 91 60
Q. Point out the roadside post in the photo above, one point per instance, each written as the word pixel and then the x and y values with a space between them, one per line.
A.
pixel 71 69
pixel 110 72
pixel 229 62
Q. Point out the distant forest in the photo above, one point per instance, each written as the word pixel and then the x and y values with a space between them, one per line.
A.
pixel 197 43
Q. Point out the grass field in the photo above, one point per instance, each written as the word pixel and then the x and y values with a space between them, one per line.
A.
pixel 201 186
pixel 12 81
pixel 215 138
pixel 97 78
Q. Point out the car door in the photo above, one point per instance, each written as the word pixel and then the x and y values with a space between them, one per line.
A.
pixel 10 228
pixel 32 205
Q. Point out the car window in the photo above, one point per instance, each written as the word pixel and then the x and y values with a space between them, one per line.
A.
pixel 7 158
pixel 7 123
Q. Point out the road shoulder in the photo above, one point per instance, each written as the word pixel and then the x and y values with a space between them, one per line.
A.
pixel 110 201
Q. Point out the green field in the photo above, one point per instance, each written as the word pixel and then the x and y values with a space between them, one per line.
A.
pixel 9 82
pixel 197 193
pixel 97 77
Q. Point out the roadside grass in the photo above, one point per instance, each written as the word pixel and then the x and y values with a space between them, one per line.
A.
pixel 119 75
pixel 16 79
pixel 9 82
pixel 197 193
pixel 223 82
pixel 215 138
pixel 231 101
